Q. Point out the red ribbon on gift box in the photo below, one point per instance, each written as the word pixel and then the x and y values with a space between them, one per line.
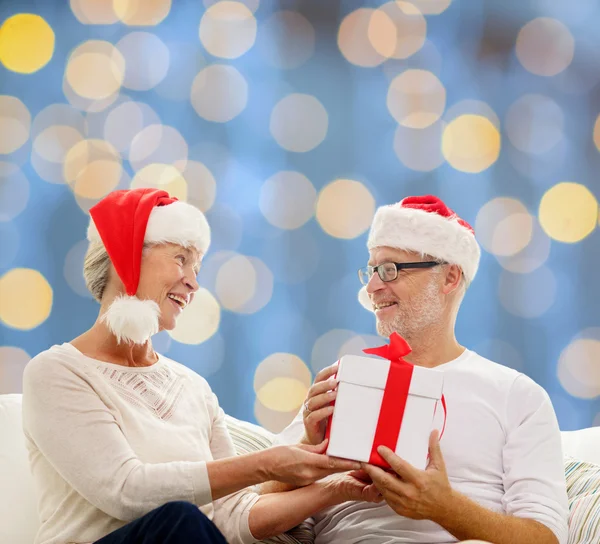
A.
pixel 395 396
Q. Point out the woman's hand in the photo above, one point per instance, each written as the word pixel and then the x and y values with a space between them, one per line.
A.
pixel 317 406
pixel 352 486
pixel 304 464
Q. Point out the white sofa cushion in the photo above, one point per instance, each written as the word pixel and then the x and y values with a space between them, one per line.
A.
pixel 18 512
pixel 583 445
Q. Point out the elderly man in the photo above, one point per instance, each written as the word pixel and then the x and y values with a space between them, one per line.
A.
pixel 497 473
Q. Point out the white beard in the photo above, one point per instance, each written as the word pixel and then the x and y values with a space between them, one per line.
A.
pixel 415 316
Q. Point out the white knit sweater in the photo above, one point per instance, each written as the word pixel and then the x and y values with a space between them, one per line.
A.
pixel 108 443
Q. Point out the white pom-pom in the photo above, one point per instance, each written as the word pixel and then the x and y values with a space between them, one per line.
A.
pixel 363 298
pixel 131 319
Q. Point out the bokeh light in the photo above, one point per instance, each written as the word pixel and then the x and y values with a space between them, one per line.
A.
pixel 162 176
pixel 281 382
pixel 219 93
pixel 420 149
pixel 228 29
pixel 397 30
pixel 92 168
pixel 578 370
pixel 201 185
pixel 416 98
pixel 504 227
pixel 326 350
pixel 26 43
pixel 282 364
pixel 532 256
pixel 12 364
pixel 236 282
pixel 95 70
pixel 358 343
pixel 126 121
pixel 55 130
pixel 158 144
pixel 272 420
pixel 287 199
pixel 25 298
pixel 73 269
pixel 252 5
pixel 471 143
pixel 534 124
pixel 137 49
pixel 199 320
pixel 345 208
pixel 470 106
pixel 141 12
pixel 568 212
pixel 545 46
pixel 528 295
pixel 294 38
pixel 14 189
pixel 243 284
pixel 15 123
pixel 94 12
pixel 353 37
pixel 299 122
pixel 431 7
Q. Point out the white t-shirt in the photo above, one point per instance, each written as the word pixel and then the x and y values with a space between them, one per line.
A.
pixel 108 444
pixel 502 448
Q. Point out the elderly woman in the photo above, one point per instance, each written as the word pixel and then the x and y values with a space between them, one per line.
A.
pixel 128 446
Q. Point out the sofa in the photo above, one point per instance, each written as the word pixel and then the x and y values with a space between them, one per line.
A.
pixel 18 514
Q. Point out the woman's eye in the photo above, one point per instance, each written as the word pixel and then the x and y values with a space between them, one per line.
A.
pixel 181 258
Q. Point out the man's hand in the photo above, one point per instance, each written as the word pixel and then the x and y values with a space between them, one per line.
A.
pixel 413 493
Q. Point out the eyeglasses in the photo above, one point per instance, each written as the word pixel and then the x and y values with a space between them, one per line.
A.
pixel 389 271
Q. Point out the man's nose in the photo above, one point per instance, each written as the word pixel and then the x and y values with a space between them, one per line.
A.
pixel 375 283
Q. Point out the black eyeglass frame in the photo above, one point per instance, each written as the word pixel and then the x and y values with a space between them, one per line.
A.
pixel 368 271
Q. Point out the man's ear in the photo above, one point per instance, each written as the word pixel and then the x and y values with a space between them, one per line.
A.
pixel 452 278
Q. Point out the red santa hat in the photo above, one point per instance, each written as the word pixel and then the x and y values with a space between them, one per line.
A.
pixel 123 222
pixel 425 224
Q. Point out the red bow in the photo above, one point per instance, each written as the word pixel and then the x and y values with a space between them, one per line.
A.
pixel 394 351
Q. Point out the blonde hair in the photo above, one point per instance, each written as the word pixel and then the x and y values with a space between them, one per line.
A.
pixel 96 269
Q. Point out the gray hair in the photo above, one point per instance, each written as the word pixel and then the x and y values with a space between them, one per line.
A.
pixel 463 285
pixel 96 269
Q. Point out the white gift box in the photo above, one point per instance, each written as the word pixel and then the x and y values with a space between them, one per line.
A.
pixel 362 382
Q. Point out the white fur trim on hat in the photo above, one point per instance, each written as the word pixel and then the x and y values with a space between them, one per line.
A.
pixel 176 223
pixel 365 301
pixel 426 232
pixel 131 319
